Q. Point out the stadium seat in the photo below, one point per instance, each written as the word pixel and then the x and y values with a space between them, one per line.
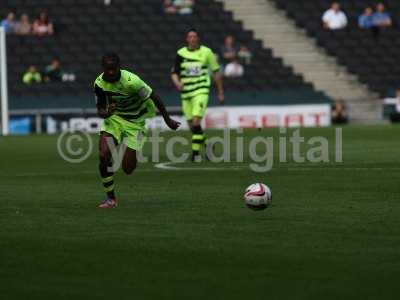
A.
pixel 359 50
pixel 145 38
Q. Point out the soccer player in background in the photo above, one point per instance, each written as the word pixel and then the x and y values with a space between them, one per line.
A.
pixel 191 77
pixel 124 101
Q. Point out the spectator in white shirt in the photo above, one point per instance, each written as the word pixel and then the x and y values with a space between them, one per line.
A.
pixel 234 69
pixel 395 114
pixel 334 18
pixel 185 7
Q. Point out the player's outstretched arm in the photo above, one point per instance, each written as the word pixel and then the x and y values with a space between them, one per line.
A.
pixel 220 89
pixel 174 125
pixel 175 73
pixel 177 82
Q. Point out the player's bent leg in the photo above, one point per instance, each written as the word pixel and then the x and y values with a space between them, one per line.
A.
pixel 104 149
pixel 134 139
pixel 187 111
pixel 129 162
pixel 106 173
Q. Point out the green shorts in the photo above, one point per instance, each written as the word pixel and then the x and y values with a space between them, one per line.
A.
pixel 195 106
pixel 132 134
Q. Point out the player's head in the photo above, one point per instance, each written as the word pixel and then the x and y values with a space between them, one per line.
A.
pixel 111 67
pixel 192 38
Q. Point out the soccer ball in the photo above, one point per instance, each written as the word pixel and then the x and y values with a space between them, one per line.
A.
pixel 258 196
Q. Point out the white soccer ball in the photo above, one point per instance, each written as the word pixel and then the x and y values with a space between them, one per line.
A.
pixel 258 196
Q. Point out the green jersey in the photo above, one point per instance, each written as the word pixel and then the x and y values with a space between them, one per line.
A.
pixel 130 95
pixel 193 68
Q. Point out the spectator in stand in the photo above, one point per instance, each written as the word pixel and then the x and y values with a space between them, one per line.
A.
pixel 229 50
pixel 381 18
pixel 185 7
pixel 53 73
pixel 169 7
pixel 31 76
pixel 334 18
pixel 339 113
pixel 365 21
pixel 234 69
pixel 244 55
pixel 9 23
pixel 43 26
pixel 24 26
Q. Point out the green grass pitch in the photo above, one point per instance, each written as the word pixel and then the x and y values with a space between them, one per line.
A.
pixel 332 232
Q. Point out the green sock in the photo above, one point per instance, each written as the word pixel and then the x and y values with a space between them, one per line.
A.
pixel 108 185
pixel 197 142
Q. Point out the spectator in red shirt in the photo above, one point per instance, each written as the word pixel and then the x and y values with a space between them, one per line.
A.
pixel 43 26
pixel 169 7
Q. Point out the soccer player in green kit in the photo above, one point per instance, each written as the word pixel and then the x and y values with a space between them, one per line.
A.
pixel 191 77
pixel 124 101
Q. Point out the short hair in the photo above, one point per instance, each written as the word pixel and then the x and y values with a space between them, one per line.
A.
pixel 110 57
pixel 192 29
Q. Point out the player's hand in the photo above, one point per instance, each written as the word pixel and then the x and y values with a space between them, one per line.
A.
pixel 106 112
pixel 174 125
pixel 103 113
pixel 179 86
pixel 111 108
pixel 221 97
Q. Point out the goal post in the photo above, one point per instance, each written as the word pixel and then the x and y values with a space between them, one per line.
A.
pixel 3 83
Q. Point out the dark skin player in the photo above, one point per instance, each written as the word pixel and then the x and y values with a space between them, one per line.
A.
pixel 112 73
